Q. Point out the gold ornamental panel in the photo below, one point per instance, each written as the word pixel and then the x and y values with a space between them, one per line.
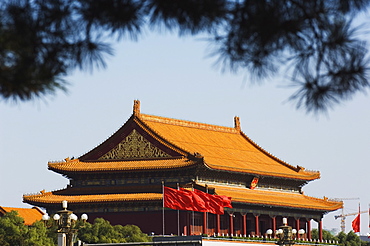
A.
pixel 132 147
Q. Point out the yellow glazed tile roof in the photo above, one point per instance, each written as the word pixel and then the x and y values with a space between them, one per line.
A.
pixel 30 215
pixel 276 198
pixel 77 165
pixel 242 195
pixel 50 198
pixel 223 148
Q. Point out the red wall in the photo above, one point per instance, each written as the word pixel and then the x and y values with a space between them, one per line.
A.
pixel 148 221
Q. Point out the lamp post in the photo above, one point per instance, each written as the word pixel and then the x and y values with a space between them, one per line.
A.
pixel 285 234
pixel 65 220
pixel 301 232
pixel 269 233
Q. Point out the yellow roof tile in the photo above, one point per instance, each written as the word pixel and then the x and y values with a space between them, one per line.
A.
pixel 276 198
pixel 223 148
pixel 30 215
pixel 50 197
pixel 78 165
pixel 242 195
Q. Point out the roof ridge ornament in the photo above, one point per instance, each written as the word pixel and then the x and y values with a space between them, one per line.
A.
pixel 136 107
pixel 198 155
pixel 237 123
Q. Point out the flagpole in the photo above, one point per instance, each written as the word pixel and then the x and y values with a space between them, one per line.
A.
pixel 162 207
pixel 192 214
pixel 206 230
pixel 178 216
pixel 359 218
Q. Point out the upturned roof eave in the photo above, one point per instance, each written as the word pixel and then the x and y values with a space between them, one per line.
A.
pixel 314 176
pixel 64 168
pixel 193 161
pixel 51 198
pixel 276 199
pixel 40 200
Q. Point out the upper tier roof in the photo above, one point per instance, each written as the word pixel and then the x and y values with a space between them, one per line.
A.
pixel 77 165
pixel 169 141
pixel 223 148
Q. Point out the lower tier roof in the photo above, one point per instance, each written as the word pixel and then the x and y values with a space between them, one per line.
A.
pixel 239 195
pixel 51 198
pixel 277 198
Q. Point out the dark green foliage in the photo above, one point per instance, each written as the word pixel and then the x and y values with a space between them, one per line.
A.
pixel 41 41
pixel 14 233
pixel 38 235
pixel 350 239
pixel 326 235
pixel 12 229
pixel 101 231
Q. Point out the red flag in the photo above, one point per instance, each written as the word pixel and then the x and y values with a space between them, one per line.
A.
pixel 176 199
pixel 356 224
pixel 199 204
pixel 214 203
pixel 183 200
pixel 227 201
pixel 196 200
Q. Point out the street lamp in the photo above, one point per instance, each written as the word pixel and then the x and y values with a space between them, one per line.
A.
pixel 269 233
pixel 65 220
pixel 285 234
pixel 301 232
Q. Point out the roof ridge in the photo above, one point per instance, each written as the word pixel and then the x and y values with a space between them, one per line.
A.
pixel 187 123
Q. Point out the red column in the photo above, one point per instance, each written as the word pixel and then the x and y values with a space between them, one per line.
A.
pixel 231 224
pixel 273 226
pixel 309 237
pixel 257 225
pixel 244 225
pixel 320 230
pixel 205 231
pixel 184 217
pixel 218 225
pixel 297 227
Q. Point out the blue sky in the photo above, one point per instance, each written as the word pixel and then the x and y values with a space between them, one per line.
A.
pixel 172 77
